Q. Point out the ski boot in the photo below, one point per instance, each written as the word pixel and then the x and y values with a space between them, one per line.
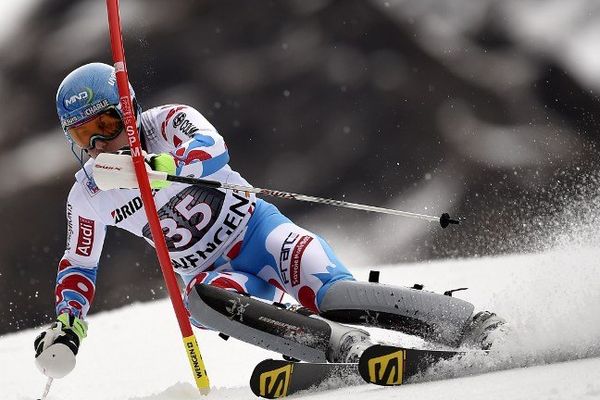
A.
pixel 346 346
pixel 483 329
pixel 352 345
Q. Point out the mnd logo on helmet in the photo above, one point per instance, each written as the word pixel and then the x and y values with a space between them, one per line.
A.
pixel 85 95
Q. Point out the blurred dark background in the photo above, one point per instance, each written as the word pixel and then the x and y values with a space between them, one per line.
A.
pixel 485 109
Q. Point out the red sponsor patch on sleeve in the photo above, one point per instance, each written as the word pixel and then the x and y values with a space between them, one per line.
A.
pixel 85 237
pixel 297 253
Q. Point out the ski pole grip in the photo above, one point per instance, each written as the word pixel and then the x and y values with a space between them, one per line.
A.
pixel 445 220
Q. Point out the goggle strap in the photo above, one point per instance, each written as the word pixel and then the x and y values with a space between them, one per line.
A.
pixel 80 159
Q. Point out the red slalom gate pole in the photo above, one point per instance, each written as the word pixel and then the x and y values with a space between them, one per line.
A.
pixel 129 121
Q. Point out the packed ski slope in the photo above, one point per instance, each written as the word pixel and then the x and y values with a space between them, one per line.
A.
pixel 552 300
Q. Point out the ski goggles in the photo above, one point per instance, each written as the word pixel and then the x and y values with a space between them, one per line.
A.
pixel 104 126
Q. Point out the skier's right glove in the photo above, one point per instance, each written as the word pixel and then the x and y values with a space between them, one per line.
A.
pixel 56 347
pixel 163 162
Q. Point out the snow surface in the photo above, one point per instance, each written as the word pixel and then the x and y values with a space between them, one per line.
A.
pixel 551 299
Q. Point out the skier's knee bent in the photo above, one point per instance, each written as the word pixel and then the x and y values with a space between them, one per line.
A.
pixel 315 270
pixel 222 280
pixel 307 298
pixel 234 281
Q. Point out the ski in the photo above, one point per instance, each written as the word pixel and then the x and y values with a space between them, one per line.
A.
pixel 273 379
pixel 392 365
pixel 379 364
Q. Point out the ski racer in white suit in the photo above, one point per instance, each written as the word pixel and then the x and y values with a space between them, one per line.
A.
pixel 222 238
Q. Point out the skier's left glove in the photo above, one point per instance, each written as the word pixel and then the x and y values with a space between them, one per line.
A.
pixel 163 162
pixel 57 346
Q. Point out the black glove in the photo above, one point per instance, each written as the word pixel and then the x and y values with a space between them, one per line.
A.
pixel 56 347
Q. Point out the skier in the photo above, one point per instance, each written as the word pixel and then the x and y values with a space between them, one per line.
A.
pixel 228 247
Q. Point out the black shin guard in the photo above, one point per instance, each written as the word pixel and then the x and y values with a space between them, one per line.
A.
pixel 433 316
pixel 308 338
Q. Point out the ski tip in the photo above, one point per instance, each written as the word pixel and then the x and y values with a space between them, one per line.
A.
pixel 271 378
pixel 383 365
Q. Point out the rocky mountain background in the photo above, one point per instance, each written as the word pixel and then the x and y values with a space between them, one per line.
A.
pixel 488 110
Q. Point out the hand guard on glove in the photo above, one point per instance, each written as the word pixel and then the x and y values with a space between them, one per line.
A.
pixel 117 171
pixel 56 347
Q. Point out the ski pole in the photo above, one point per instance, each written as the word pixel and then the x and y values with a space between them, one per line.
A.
pixel 46 389
pixel 116 171
pixel 444 220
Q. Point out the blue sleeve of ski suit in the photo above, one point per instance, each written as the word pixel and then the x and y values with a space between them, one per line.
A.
pixel 207 151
